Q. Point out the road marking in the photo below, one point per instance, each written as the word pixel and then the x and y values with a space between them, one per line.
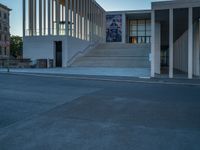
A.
pixel 147 81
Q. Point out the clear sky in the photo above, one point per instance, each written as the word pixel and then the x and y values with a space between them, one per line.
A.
pixel 109 5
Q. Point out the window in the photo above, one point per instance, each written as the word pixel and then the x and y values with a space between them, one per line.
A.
pixel 0 26
pixel 140 31
pixel 5 29
pixel 5 16
pixel 0 50
pixel 5 51
pixel 0 14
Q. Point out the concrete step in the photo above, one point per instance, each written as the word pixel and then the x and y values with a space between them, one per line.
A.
pixel 121 45
pixel 119 52
pixel 116 55
pixel 134 62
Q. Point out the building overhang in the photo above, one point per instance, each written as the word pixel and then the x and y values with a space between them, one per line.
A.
pixel 175 4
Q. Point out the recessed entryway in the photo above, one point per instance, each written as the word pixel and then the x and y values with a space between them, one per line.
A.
pixel 58 53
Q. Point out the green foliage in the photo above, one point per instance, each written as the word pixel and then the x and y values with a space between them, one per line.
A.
pixel 16 45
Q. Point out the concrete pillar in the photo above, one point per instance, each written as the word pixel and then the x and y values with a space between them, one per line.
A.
pixel 53 15
pixel 196 53
pixel 91 11
pixel 78 18
pixel 44 19
pixel 40 17
pixel 123 28
pixel 171 43
pixel 70 18
pixel 57 17
pixel 34 17
pixel 66 18
pixel 190 43
pixel 153 43
pixel 74 18
pixel 157 48
pixel 49 17
pixel 85 21
pixel 24 18
pixel 81 19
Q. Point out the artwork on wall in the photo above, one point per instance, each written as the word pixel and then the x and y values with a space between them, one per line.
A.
pixel 114 28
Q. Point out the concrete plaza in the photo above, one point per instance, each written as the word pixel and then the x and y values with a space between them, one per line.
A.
pixel 60 113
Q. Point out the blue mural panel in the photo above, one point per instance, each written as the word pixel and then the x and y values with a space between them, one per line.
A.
pixel 114 28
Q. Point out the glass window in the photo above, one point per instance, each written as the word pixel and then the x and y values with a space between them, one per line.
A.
pixel 5 16
pixel 141 24
pixel 0 14
pixel 141 33
pixel 148 25
pixel 133 22
pixel 148 33
pixel 0 26
pixel 133 27
pixel 0 50
pixel 133 33
pixel 148 39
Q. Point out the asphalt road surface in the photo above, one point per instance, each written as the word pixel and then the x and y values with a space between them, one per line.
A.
pixel 57 113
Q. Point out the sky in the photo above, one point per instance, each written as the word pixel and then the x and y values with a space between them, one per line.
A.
pixel 108 5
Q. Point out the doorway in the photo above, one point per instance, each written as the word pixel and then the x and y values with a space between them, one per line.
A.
pixel 58 53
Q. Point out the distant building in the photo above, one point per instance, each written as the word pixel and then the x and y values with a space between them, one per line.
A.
pixel 4 31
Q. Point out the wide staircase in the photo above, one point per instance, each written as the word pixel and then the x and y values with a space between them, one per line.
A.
pixel 116 55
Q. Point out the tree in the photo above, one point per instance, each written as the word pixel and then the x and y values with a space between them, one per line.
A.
pixel 16 45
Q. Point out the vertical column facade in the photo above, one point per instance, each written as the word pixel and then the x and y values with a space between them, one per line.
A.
pixel 190 43
pixel 171 42
pixel 24 18
pixel 49 17
pixel 153 43
pixel 66 17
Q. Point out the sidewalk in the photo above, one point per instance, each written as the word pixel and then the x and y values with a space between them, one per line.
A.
pixel 128 75
pixel 120 72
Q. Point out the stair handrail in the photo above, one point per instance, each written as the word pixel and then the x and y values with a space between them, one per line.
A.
pixel 82 52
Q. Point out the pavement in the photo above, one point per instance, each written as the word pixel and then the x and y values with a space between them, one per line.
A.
pixel 100 71
pixel 59 112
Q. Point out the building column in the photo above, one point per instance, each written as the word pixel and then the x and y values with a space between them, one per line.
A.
pixel 66 18
pixel 171 43
pixel 57 17
pixel 190 43
pixel 70 18
pixel 81 19
pixel 153 43
pixel 74 18
pixel 44 11
pixel 78 19
pixel 123 28
pixel 157 47
pixel 49 17
pixel 24 18
pixel 40 17
pixel 34 17
pixel 85 19
pixel 53 17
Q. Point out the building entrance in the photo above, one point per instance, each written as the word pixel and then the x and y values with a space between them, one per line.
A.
pixel 58 53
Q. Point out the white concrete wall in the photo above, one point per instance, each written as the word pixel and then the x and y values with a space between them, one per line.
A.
pixel 42 47
pixel 181 53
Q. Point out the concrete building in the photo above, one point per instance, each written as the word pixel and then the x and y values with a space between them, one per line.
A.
pixel 165 39
pixel 4 31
